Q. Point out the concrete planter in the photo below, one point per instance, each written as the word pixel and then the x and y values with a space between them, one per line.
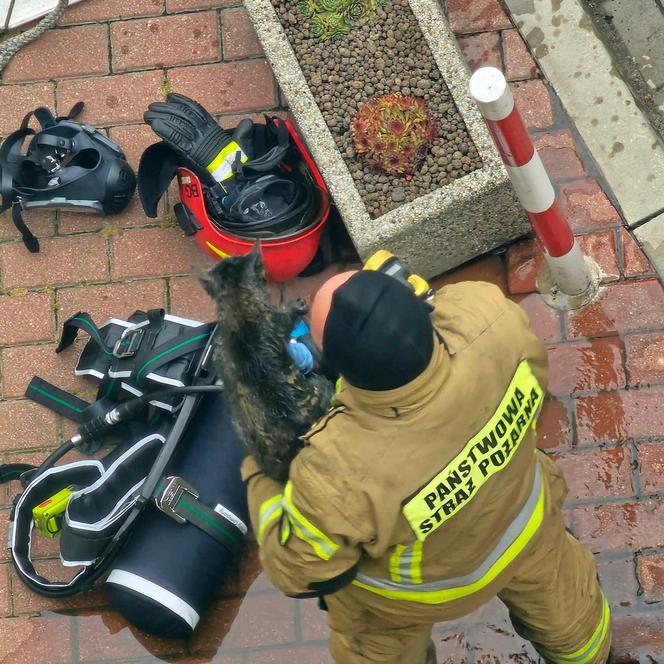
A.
pixel 437 231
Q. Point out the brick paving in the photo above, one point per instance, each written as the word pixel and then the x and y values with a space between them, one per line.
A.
pixel 603 420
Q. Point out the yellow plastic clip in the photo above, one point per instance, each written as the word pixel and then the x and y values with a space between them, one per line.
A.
pixel 47 515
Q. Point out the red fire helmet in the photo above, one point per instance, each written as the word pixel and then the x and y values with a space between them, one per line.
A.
pixel 285 254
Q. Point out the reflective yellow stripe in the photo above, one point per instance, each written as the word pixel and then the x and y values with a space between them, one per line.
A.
pixel 488 452
pixel 416 563
pixel 219 252
pixel 588 652
pixel 229 151
pixel 270 511
pixel 406 563
pixel 519 534
pixel 395 562
pixel 324 547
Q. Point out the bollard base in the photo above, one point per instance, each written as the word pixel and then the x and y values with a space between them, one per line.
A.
pixel 556 299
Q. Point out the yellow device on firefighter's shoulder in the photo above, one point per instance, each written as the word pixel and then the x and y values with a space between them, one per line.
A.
pixel 387 263
pixel 47 516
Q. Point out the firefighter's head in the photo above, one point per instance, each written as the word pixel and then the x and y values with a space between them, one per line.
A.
pixel 373 330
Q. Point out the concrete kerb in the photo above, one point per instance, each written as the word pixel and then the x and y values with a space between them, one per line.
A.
pixel 440 230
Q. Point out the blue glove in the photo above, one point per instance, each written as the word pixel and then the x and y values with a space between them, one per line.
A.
pixel 302 348
pixel 301 355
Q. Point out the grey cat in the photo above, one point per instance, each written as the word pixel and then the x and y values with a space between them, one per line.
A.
pixel 272 403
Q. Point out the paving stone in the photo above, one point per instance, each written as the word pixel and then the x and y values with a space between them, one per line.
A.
pixel 544 321
pixel 519 64
pixel 586 206
pixel 187 5
pixel 476 16
pixel 451 648
pixel 40 222
pixel 638 637
pixel 45 640
pixel 494 644
pixel 20 364
pixel 645 359
pixel 619 527
pixel 311 655
pixel 165 41
pixel 59 261
pixel 622 307
pixel 238 35
pixel 482 50
pixel 26 318
pixel 313 621
pixel 263 620
pixel 635 262
pixel 26 601
pixel 533 100
pixel 597 474
pixel 25 424
pixel 105 635
pixel 553 426
pixel 4 523
pixel 587 365
pixel 133 139
pixel 101 10
pixel 650 569
pixel 52 56
pixel 5 605
pixel 215 625
pixel 111 300
pixel 651 467
pixel 110 100
pixel 136 253
pixel 558 153
pixel 484 268
pixel 619 416
pixel 17 100
pixel 618 579
pixel 229 87
pixel 525 260
pixel 189 299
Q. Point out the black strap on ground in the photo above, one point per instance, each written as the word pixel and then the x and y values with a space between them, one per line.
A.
pixel 80 321
pixel 29 240
pixel 57 400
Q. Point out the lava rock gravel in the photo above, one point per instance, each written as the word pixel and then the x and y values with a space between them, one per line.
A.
pixel 388 54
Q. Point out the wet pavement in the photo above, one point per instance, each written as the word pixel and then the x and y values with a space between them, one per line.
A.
pixel 603 420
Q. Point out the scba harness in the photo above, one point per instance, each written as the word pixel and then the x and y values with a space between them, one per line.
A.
pixel 67 165
pixel 177 452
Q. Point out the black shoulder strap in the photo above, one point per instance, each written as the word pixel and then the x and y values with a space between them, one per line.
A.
pixel 80 321
pixel 74 112
pixel 65 404
pixel 29 239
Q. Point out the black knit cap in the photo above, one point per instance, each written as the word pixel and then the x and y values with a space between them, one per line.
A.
pixel 378 334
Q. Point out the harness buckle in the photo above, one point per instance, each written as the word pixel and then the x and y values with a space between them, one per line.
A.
pixel 129 343
pixel 170 497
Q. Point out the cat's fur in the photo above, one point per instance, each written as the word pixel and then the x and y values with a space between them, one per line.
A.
pixel 271 402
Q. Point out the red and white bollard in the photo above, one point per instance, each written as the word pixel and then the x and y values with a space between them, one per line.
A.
pixel 566 262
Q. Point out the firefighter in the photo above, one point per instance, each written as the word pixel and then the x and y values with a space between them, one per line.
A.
pixel 421 495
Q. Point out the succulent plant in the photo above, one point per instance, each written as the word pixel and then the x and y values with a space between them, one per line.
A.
pixel 394 133
pixel 335 18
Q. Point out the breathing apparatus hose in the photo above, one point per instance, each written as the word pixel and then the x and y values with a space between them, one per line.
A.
pixel 103 423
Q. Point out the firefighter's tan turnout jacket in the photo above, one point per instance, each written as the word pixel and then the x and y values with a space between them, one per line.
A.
pixel 433 489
